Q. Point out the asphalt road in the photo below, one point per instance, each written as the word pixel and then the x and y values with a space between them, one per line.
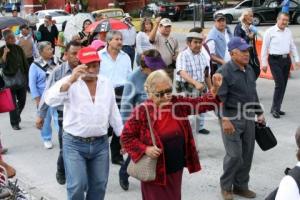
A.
pixel 36 166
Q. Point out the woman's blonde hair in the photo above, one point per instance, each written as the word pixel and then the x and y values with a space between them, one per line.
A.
pixel 244 14
pixel 158 76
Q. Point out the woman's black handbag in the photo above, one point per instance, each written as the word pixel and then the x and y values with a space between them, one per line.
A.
pixel 264 137
pixel 15 81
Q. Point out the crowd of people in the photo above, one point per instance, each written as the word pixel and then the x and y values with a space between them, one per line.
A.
pixel 120 83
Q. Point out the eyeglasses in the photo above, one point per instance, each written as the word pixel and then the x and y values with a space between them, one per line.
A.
pixel 163 93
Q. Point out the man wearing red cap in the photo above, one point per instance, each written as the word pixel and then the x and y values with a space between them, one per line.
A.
pixel 89 107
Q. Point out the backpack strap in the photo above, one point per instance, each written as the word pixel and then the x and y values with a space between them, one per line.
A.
pixel 40 66
pixel 295 173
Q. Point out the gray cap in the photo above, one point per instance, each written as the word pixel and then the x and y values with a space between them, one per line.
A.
pixel 219 16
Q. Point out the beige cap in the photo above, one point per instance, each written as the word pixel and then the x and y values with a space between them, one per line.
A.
pixel 195 35
pixel 166 22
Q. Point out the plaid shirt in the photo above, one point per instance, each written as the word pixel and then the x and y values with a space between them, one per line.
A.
pixel 193 64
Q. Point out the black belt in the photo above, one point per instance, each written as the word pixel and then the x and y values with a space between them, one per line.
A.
pixel 279 56
pixel 88 139
pixel 132 46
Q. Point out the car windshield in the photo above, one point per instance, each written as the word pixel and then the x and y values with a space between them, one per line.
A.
pixel 113 14
pixel 58 13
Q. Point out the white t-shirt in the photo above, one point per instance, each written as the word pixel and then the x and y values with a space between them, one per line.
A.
pixel 288 189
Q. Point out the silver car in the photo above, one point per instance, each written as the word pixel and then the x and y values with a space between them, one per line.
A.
pixel 233 14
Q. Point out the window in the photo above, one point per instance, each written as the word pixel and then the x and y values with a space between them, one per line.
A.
pixel 293 4
pixel 273 4
pixel 246 4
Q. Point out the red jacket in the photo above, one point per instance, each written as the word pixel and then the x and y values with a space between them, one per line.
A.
pixel 136 135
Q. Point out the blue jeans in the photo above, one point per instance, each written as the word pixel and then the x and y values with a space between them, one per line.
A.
pixel 46 131
pixel 86 166
pixel 201 121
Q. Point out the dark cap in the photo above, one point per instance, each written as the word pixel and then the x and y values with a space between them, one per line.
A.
pixel 219 16
pixel 237 43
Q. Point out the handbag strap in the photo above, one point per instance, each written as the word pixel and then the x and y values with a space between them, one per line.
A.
pixel 150 126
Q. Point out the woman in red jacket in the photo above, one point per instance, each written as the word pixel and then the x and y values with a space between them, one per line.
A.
pixel 173 134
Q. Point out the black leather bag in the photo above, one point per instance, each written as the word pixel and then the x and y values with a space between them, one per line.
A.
pixel 264 137
pixel 14 82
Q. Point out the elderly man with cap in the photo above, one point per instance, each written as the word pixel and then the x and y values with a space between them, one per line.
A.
pixel 48 31
pixel 237 114
pixel 89 107
pixel 193 69
pixel 217 40
pixel 165 43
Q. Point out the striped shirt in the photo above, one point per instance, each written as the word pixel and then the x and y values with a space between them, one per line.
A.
pixel 193 64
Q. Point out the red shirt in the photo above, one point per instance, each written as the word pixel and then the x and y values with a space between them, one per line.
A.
pixel 68 8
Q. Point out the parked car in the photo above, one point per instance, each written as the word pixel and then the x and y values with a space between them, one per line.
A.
pixel 8 6
pixel 162 9
pixel 233 13
pixel 58 15
pixel 118 13
pixel 209 6
pixel 269 10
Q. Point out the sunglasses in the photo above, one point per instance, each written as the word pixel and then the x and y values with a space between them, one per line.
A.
pixel 163 93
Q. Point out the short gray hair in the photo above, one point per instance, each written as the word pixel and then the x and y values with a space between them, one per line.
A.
pixel 245 13
pixel 42 45
pixel 158 76
pixel 111 34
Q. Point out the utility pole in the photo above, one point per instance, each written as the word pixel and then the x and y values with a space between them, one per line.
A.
pixel 202 13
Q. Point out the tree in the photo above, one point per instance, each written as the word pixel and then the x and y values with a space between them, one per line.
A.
pixel 84 4
pixel 44 2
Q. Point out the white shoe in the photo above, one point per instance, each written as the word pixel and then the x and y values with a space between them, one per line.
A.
pixel 48 144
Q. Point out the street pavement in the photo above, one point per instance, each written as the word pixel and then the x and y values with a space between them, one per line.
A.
pixel 36 166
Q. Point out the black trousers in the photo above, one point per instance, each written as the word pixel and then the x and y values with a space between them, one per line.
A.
pixel 280 68
pixel 19 98
pixel 115 146
pixel 60 159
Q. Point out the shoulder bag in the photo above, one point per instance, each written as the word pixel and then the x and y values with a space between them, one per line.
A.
pixel 15 81
pixel 145 169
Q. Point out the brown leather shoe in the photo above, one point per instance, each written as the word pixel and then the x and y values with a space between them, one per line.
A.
pixel 227 195
pixel 11 172
pixel 244 193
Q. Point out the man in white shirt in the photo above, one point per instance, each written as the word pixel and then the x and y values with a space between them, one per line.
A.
pixel 89 108
pixel 116 66
pixel 288 188
pixel 278 44
pixel 193 70
pixel 129 36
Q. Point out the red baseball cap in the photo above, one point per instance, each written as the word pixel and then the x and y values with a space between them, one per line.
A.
pixel 88 55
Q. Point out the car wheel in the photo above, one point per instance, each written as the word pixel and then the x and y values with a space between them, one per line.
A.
pixel 297 19
pixel 256 20
pixel 229 19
